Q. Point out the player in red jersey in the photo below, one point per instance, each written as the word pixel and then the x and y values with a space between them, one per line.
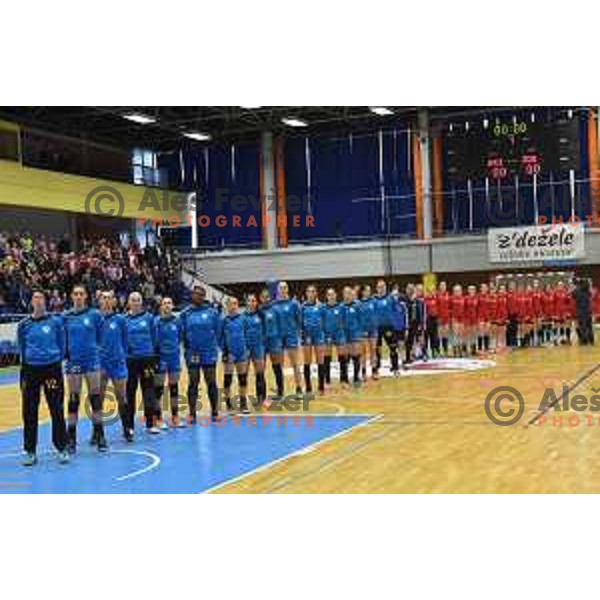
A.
pixel 484 311
pixel 471 322
pixel 570 323
pixel 492 327
pixel 432 339
pixel 457 321
pixel 596 303
pixel 525 312
pixel 536 299
pixel 501 319
pixel 548 314
pixel 561 313
pixel 443 307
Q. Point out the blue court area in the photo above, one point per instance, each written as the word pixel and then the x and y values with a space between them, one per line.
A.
pixel 9 377
pixel 191 460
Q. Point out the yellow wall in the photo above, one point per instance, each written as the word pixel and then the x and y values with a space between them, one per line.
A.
pixel 49 190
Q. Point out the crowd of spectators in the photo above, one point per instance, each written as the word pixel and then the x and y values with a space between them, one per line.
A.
pixel 100 262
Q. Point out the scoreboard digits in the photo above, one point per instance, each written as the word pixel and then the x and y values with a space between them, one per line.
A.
pixel 506 149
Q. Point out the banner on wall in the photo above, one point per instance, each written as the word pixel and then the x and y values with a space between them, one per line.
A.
pixel 561 242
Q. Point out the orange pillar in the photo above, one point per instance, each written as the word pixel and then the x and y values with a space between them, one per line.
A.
pixel 438 198
pixel 282 227
pixel 416 151
pixel 594 168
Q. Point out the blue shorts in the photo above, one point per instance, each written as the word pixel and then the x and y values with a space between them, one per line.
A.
pixel 273 345
pixel 256 352
pixel 290 341
pixel 313 338
pixel 235 355
pixel 352 337
pixel 201 358
pixel 82 367
pixel 169 363
pixel 337 338
pixel 115 369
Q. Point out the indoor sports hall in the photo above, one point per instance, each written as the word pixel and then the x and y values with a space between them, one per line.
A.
pixel 432 275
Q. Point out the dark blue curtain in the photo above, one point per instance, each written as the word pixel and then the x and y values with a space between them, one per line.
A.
pixel 353 186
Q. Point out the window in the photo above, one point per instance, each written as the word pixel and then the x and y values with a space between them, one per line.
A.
pixel 144 168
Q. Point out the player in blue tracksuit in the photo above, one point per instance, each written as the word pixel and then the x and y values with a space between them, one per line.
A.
pixel 113 352
pixel 41 342
pixel 273 338
pixel 386 308
pixel 141 363
pixel 255 340
pixel 290 318
pixel 168 332
pixel 83 327
pixel 354 329
pixel 201 333
pixel 334 326
pixel 369 320
pixel 235 355
pixel 313 337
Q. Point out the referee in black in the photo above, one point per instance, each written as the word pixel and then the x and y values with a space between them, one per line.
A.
pixel 41 340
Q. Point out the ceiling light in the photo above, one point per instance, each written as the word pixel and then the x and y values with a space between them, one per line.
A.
pixel 139 118
pixel 382 111
pixel 247 107
pixel 198 136
pixel 294 122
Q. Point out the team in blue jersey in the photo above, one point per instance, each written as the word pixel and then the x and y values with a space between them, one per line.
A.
pixel 113 353
pixel 290 323
pixel 256 328
pixel 83 329
pixel 141 350
pixel 313 338
pixel 202 330
pixel 273 341
pixel 169 337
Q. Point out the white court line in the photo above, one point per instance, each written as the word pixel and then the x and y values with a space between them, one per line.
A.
pixel 151 455
pixel 11 454
pixel 300 452
pixel 340 409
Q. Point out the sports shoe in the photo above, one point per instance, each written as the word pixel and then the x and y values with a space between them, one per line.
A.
pixel 154 430
pixel 128 435
pixel 71 446
pixel 63 457
pixel 102 443
pixel 163 426
pixel 29 459
pixel 179 423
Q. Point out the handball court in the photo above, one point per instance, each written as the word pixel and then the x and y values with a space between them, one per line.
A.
pixel 423 432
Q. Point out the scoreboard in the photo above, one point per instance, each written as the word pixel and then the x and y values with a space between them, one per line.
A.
pixel 502 150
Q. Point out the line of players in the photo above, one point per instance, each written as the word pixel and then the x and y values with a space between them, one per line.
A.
pixel 496 317
pixel 141 350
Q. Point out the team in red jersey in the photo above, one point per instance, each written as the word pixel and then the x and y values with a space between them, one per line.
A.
pixel 494 317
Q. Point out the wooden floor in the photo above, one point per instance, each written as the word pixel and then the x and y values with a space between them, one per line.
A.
pixel 433 435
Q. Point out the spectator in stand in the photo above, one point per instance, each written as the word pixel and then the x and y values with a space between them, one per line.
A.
pixel 27 261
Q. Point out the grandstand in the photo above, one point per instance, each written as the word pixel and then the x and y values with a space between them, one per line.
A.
pixel 158 200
